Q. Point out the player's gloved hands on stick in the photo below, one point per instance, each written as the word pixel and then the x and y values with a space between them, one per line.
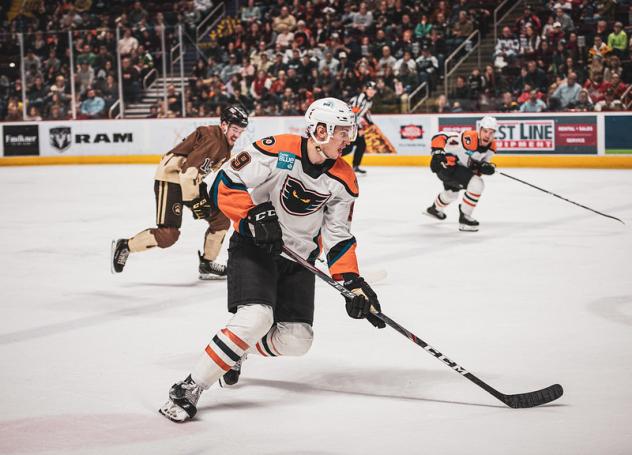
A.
pixel 201 205
pixel 267 230
pixel 484 167
pixel 360 306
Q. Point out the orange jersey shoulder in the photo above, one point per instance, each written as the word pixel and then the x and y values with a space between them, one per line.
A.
pixel 272 145
pixel 469 140
pixel 342 171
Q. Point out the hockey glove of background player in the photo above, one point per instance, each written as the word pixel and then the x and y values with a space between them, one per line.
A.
pixel 483 167
pixel 360 306
pixel 267 231
pixel 443 163
pixel 201 205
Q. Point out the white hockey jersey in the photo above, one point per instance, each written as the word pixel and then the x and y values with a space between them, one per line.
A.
pixel 465 146
pixel 314 203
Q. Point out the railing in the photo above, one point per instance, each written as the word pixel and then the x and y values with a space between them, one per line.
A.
pixel 426 93
pixel 115 110
pixel 175 54
pixel 501 12
pixel 198 51
pixel 626 99
pixel 210 21
pixel 460 54
pixel 150 78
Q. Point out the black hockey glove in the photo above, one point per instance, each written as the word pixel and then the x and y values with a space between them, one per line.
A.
pixel 360 306
pixel 483 167
pixel 201 205
pixel 267 230
pixel 443 163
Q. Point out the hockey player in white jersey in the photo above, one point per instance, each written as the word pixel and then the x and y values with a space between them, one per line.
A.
pixel 302 195
pixel 459 159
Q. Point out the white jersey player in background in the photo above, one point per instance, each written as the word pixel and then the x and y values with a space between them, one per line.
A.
pixel 459 159
pixel 302 195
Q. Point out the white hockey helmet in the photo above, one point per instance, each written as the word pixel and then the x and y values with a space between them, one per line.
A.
pixel 489 122
pixel 331 112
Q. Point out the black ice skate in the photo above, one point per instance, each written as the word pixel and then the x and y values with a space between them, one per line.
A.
pixel 183 398
pixel 120 252
pixel 210 270
pixel 436 213
pixel 231 377
pixel 358 170
pixel 466 222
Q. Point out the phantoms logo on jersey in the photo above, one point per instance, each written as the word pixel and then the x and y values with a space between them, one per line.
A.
pixel 298 200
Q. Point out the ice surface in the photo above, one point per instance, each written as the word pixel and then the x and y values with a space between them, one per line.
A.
pixel 542 294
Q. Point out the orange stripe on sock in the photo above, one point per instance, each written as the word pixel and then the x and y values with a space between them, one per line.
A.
pixel 235 339
pixel 261 351
pixel 469 203
pixel 220 363
pixel 474 194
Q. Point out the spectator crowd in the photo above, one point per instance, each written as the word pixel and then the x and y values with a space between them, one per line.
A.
pixel 276 57
pixel 570 56
pixel 53 29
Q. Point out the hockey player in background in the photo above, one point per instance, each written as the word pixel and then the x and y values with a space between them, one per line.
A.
pixel 179 181
pixel 302 195
pixel 459 159
pixel 361 106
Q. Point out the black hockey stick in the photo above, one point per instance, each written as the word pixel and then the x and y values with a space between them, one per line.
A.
pixel 519 400
pixel 558 196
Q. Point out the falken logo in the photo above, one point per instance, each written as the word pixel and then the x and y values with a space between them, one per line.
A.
pixel 411 132
pixel 60 138
pixel 300 201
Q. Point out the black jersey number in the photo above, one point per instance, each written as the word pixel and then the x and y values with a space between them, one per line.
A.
pixel 240 161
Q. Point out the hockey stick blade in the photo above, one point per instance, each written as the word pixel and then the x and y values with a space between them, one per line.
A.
pixel 517 401
pixel 532 399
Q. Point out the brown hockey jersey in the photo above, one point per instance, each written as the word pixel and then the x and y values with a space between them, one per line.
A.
pixel 202 152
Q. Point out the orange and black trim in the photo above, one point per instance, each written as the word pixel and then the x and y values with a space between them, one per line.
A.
pixel 343 173
pixel 438 142
pixel 231 198
pixel 341 258
pixel 272 145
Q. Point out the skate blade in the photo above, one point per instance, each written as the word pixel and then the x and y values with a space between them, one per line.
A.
pixel 225 385
pixel 466 228
pixel 211 277
pixel 112 248
pixel 432 216
pixel 174 412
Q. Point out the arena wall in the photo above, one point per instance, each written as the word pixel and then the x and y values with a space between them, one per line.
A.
pixel 596 140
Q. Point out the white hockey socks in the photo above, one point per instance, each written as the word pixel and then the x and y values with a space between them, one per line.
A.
pixel 445 198
pixel 472 194
pixel 249 324
pixel 285 338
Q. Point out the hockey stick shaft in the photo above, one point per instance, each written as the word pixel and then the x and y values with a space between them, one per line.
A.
pixel 514 401
pixel 560 197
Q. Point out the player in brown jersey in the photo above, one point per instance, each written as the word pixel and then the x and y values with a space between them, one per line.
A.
pixel 179 181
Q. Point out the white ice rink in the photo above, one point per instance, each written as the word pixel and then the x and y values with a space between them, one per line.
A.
pixel 541 295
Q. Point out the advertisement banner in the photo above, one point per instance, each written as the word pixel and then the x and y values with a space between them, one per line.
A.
pixel 618 134
pixel 547 135
pixel 20 140
pixel 402 134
